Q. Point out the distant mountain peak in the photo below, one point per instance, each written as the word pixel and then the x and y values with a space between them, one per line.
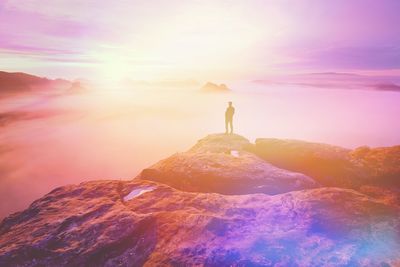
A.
pixel 213 87
pixel 19 82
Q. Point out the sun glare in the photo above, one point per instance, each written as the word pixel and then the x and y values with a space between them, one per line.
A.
pixel 113 64
pixel 178 47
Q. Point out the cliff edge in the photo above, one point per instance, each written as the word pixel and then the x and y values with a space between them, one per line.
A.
pixel 224 202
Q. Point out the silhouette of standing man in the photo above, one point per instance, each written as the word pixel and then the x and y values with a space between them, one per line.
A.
pixel 229 117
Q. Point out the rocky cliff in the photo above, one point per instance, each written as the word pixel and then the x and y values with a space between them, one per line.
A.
pixel 267 216
pixel 221 164
pixel 332 165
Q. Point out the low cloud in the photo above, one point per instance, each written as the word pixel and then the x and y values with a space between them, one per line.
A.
pixel 387 87
pixel 7 118
pixel 350 57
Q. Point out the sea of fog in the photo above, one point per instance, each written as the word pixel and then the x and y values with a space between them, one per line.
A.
pixel 48 141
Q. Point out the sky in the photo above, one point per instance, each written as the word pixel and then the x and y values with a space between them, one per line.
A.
pixel 174 39
pixel 185 40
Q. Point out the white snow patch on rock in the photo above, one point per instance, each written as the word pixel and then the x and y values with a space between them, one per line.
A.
pixel 235 153
pixel 138 191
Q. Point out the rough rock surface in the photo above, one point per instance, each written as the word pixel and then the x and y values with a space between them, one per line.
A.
pixel 90 225
pixel 219 163
pixel 332 165
pixel 146 223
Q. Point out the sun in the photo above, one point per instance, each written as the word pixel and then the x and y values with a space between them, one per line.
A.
pixel 113 65
pixel 187 46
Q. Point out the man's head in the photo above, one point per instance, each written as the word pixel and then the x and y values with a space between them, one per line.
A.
pixel 230 103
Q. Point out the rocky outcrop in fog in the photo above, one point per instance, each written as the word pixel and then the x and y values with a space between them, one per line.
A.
pixel 332 165
pixel 220 164
pixel 185 218
pixel 212 87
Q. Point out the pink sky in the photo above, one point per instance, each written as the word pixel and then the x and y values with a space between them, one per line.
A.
pixel 198 39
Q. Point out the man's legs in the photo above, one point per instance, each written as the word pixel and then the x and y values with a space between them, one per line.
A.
pixel 226 125
pixel 231 124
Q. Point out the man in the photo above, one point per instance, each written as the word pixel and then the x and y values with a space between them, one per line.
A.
pixel 229 117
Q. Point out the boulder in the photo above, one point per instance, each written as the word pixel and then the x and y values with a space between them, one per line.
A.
pixel 220 163
pixel 332 165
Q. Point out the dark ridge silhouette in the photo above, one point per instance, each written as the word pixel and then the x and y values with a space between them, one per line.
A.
pixel 18 82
